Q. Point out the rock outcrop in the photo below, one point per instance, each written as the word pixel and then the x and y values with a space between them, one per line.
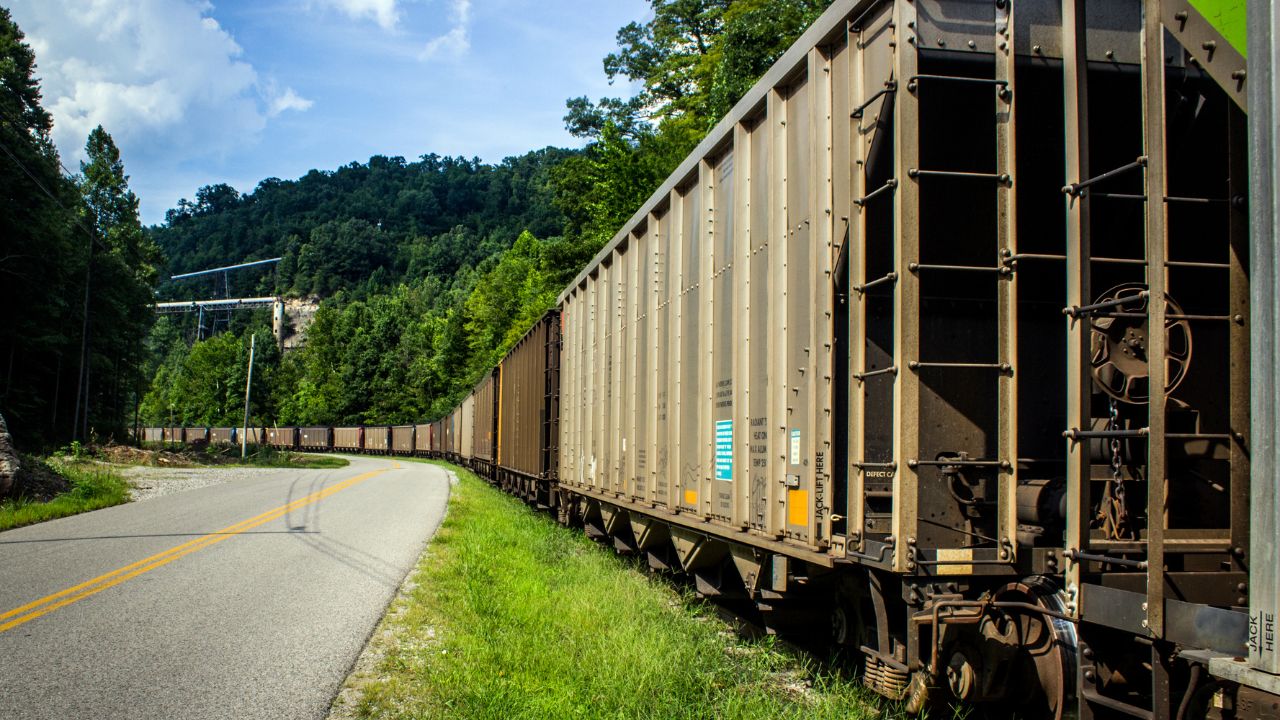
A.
pixel 8 459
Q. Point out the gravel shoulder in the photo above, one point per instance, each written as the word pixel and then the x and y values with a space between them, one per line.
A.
pixel 153 482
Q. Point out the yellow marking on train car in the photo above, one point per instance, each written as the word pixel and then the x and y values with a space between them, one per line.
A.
pixel 690 497
pixel 797 507
pixel 960 556
pixel 76 593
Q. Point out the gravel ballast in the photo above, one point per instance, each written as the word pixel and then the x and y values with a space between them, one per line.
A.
pixel 153 482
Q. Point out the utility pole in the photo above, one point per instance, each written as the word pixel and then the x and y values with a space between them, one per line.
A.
pixel 244 431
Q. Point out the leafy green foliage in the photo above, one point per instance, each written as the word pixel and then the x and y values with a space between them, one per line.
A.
pixel 58 234
pixel 204 385
pixel 335 230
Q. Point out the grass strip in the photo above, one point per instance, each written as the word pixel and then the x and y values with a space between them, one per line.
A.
pixel 91 488
pixel 510 615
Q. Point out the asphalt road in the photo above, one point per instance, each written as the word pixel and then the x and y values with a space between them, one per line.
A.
pixel 250 599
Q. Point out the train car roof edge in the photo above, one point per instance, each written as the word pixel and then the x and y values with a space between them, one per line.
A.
pixel 826 24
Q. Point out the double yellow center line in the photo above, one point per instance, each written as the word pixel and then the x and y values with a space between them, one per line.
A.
pixel 76 593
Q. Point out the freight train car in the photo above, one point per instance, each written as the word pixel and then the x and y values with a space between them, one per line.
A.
pixel 912 330
pixel 485 424
pixel 348 439
pixel 528 439
pixel 438 438
pixel 377 439
pixel 402 442
pixel 467 431
pixel 422 437
pixel 282 438
pixel 315 439
pixel 195 436
pixel 223 436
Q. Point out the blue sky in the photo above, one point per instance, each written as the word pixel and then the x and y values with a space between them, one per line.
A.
pixel 196 93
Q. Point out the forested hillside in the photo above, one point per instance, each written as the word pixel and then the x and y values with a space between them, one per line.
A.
pixel 432 269
pixel 76 272
pixel 388 219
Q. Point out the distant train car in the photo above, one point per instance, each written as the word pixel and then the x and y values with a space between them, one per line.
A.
pixel 529 390
pixel 348 439
pixel 195 435
pixel 437 445
pixel 484 424
pixel 453 444
pixel 402 439
pixel 377 439
pixel 223 436
pixel 152 435
pixel 282 438
pixel 422 440
pixel 315 438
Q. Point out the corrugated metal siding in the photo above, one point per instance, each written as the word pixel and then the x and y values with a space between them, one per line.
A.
pixel 286 438
pixel 377 438
pixel 455 431
pixel 402 439
pixel 467 427
pixel 696 357
pixel 486 410
pixel 313 438
pixel 346 438
pixel 523 396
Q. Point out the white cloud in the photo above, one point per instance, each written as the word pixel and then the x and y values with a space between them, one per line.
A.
pixel 278 102
pixel 457 41
pixel 162 76
pixel 383 12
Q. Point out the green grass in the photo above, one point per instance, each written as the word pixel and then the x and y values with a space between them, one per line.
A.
pixel 514 616
pixel 92 488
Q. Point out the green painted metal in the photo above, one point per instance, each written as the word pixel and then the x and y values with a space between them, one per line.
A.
pixel 1228 17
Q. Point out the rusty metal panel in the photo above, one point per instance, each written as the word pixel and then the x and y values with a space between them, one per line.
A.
pixel 347 438
pixel 421 439
pixel 402 439
pixel 313 438
pixel 221 436
pixel 484 444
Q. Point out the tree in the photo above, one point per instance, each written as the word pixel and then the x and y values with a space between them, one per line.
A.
pixel 42 256
pixel 124 263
